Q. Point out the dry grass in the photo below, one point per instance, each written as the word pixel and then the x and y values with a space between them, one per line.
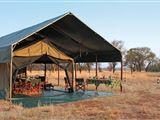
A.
pixel 139 100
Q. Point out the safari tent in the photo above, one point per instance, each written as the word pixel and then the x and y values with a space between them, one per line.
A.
pixel 63 39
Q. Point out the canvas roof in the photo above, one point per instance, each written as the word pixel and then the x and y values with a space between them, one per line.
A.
pixel 68 34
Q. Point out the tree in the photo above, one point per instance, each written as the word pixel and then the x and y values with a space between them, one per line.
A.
pixel 139 58
pixel 84 66
pixel 80 66
pixel 99 67
pixel 149 60
pixel 154 66
pixel 119 45
pixel 88 66
pixel 130 60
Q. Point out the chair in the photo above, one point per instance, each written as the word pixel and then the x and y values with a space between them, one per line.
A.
pixel 80 84
pixel 48 86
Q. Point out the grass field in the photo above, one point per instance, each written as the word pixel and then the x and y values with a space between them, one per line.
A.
pixel 140 99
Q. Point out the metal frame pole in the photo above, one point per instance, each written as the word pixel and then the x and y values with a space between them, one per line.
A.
pixel 11 74
pixel 96 67
pixel 75 70
pixel 58 74
pixel 45 72
pixel 72 76
pixel 121 70
pixel 121 75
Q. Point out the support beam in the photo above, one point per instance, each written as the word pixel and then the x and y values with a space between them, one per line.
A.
pixel 75 66
pixel 73 76
pixel 26 72
pixel 75 71
pixel 70 88
pixel 96 67
pixel 121 70
pixel 58 75
pixel 45 71
pixel 121 75
pixel 11 74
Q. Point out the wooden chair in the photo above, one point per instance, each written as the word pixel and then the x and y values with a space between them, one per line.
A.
pixel 80 84
pixel 48 86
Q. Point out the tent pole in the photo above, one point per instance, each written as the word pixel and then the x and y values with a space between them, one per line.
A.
pixel 72 76
pixel 26 72
pixel 75 71
pixel 96 67
pixel 58 74
pixel 121 75
pixel 45 73
pixel 10 92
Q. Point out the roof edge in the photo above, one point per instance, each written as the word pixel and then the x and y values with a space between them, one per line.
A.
pixel 94 31
pixel 62 16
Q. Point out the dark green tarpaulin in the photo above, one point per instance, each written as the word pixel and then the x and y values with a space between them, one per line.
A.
pixel 69 35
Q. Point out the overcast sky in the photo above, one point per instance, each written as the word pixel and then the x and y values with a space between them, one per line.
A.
pixel 136 23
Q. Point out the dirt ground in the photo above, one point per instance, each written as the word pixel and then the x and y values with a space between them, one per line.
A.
pixel 140 99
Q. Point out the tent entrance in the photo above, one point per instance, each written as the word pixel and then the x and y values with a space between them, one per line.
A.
pixel 40 52
pixel 37 77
